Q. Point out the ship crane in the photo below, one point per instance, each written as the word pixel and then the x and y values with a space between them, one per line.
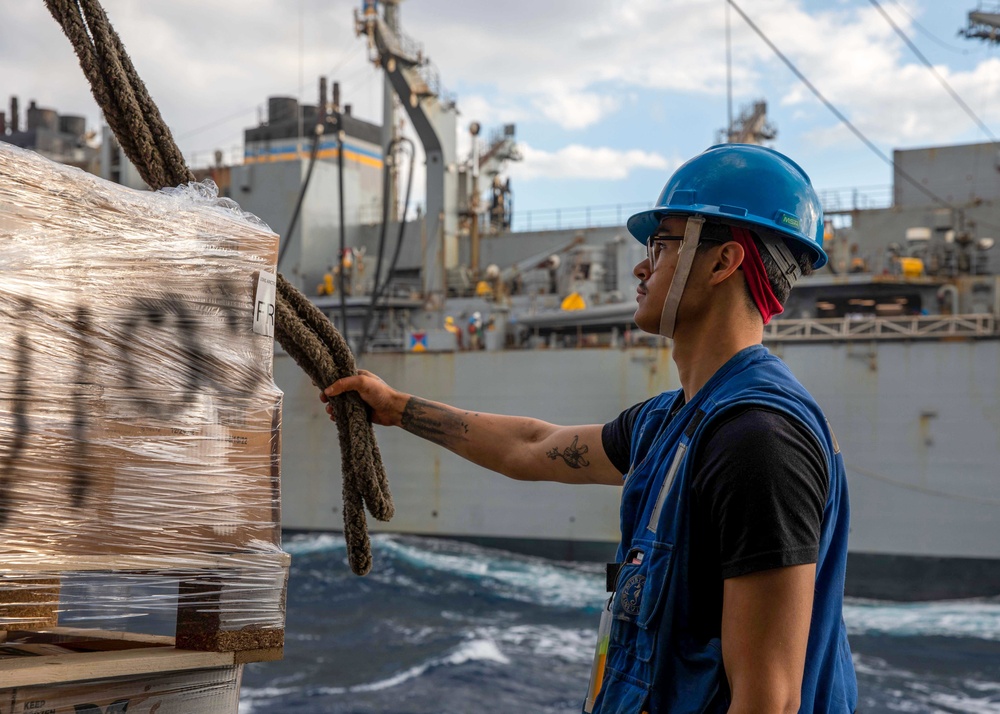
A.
pixel 751 127
pixel 984 23
pixel 433 115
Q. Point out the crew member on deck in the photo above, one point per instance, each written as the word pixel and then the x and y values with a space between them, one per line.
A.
pixel 727 594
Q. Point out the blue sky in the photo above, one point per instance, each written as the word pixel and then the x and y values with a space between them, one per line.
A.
pixel 608 97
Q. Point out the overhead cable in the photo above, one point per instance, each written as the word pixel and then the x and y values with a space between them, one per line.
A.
pixel 938 75
pixel 837 113
pixel 928 33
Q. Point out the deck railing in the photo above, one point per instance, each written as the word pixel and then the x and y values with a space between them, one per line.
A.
pixel 881 328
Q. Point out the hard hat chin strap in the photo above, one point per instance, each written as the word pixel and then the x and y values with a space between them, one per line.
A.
pixel 685 259
pixel 781 255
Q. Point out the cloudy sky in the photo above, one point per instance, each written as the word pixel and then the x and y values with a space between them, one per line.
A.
pixel 608 97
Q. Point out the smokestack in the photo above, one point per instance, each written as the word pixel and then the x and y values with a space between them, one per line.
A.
pixel 347 109
pixel 322 101
pixel 14 125
pixel 336 97
pixel 3 123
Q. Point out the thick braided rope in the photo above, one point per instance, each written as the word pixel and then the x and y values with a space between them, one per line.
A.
pixel 370 477
pixel 131 114
pixel 310 354
pixel 302 329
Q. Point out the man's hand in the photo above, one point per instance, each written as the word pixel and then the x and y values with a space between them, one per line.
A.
pixel 387 404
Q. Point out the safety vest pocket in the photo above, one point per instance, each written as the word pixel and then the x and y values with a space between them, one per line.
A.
pixel 642 586
pixel 622 694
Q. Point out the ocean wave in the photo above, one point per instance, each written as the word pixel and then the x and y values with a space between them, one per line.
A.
pixel 907 691
pixel 522 578
pixel 251 697
pixel 308 543
pixel 551 583
pixel 959 618
pixel 473 650
pixel 546 641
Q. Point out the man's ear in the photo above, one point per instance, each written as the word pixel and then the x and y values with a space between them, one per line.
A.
pixel 726 260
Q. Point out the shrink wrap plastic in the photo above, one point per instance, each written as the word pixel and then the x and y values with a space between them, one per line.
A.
pixel 139 420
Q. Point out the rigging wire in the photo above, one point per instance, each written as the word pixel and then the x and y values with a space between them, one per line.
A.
pixel 840 115
pixel 928 33
pixel 377 290
pixel 940 78
pixel 317 133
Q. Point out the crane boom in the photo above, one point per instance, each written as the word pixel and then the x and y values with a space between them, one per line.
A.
pixel 434 118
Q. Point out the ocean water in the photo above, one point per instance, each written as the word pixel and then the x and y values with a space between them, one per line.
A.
pixel 441 627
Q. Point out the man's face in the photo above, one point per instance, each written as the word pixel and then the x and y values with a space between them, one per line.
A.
pixel 654 279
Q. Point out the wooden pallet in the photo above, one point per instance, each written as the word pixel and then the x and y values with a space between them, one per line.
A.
pixel 116 672
pixel 211 607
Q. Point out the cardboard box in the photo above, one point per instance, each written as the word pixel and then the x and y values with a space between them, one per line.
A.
pixel 139 412
pixel 139 419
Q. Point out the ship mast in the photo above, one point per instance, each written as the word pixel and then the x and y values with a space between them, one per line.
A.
pixel 752 125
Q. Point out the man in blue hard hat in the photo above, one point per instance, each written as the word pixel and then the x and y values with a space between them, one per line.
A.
pixel 728 590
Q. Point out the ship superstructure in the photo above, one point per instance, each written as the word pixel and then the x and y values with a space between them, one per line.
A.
pixel 898 341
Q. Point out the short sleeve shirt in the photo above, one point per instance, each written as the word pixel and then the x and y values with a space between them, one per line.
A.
pixel 758 493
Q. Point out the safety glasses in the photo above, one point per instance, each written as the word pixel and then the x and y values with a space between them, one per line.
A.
pixel 655 245
pixel 658 241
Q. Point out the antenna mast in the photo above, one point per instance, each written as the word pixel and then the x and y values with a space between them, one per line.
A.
pixel 729 79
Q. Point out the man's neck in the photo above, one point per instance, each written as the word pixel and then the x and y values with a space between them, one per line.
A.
pixel 700 353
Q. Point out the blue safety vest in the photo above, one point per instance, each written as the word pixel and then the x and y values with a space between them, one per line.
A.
pixel 655 663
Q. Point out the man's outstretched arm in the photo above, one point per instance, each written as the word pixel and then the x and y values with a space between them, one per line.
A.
pixel 519 447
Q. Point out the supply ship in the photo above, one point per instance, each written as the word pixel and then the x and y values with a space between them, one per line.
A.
pixel 898 339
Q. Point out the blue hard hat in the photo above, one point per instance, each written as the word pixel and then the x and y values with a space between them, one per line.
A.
pixel 742 184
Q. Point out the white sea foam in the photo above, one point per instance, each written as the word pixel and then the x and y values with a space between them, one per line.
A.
pixel 250 697
pixel 958 618
pixel 303 544
pixel 524 579
pixel 480 649
pixel 869 666
pixel 958 702
pixel 546 641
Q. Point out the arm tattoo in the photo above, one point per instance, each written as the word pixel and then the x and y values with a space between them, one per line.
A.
pixel 572 455
pixel 434 423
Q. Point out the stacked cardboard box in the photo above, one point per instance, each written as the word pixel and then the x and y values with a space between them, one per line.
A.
pixel 139 421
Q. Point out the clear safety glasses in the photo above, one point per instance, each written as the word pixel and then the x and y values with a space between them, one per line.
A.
pixel 658 241
pixel 655 245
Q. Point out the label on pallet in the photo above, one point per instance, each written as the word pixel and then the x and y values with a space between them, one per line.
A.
pixel 264 298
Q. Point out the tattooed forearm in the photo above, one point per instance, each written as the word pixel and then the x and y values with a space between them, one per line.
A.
pixel 433 422
pixel 572 454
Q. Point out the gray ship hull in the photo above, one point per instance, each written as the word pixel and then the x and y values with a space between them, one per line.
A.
pixel 918 424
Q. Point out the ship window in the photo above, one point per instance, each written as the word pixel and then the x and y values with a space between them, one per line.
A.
pixel 839 306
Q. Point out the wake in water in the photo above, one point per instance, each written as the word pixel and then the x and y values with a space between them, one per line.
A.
pixel 440 626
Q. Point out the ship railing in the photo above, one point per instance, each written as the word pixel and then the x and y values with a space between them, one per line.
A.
pixel 925 327
pixel 858 198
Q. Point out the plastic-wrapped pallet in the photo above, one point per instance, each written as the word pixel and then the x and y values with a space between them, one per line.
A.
pixel 139 420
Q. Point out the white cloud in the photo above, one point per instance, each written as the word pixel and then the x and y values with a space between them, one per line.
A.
pixel 586 162
pixel 576 110
pixel 559 66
